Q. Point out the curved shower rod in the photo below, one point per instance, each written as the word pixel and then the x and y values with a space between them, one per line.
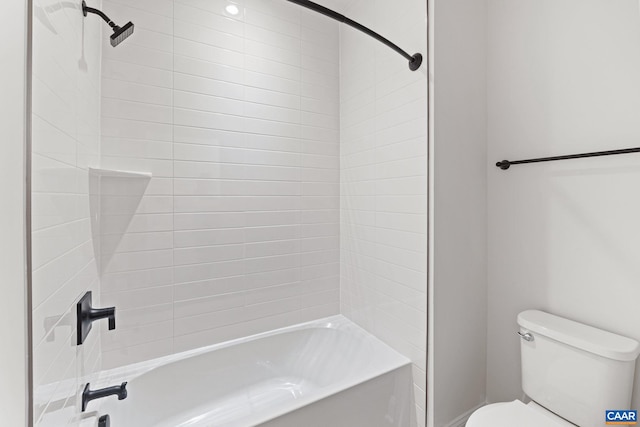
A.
pixel 414 60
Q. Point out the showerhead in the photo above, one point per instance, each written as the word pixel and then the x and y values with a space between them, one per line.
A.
pixel 121 33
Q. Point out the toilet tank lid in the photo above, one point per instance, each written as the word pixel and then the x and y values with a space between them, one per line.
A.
pixel 578 335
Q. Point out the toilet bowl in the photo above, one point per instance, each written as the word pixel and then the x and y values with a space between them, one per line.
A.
pixel 515 414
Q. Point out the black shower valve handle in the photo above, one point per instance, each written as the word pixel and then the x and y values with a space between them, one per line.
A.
pixel 86 315
pixel 104 313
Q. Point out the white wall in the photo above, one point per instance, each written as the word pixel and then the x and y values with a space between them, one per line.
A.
pixel 237 119
pixel 459 209
pixel 66 94
pixel 383 175
pixel 13 327
pixel 562 79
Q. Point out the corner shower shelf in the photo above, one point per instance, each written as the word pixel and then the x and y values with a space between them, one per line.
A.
pixel 114 173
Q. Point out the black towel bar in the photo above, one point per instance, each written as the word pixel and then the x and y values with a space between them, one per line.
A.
pixel 506 164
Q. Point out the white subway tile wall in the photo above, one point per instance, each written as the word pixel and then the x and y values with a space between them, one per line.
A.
pixel 66 142
pixel 289 181
pixel 237 118
pixel 383 176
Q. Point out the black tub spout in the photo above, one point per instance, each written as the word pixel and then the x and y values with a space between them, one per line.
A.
pixel 88 395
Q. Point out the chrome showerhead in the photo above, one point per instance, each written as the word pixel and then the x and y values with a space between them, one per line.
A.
pixel 121 33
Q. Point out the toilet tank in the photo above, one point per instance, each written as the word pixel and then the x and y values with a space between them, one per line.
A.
pixel 574 370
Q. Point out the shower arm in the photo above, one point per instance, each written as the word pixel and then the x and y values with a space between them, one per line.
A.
pixel 86 9
pixel 414 60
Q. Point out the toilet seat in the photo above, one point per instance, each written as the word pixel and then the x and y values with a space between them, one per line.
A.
pixel 516 413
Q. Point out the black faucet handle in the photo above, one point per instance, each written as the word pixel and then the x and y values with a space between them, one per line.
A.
pixel 104 313
pixel 87 315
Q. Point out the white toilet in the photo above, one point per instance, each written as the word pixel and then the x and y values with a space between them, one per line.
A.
pixel 572 372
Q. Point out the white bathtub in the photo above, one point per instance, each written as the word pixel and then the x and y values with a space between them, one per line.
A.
pixel 323 373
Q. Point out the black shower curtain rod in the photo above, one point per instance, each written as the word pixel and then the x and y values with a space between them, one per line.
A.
pixel 414 60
